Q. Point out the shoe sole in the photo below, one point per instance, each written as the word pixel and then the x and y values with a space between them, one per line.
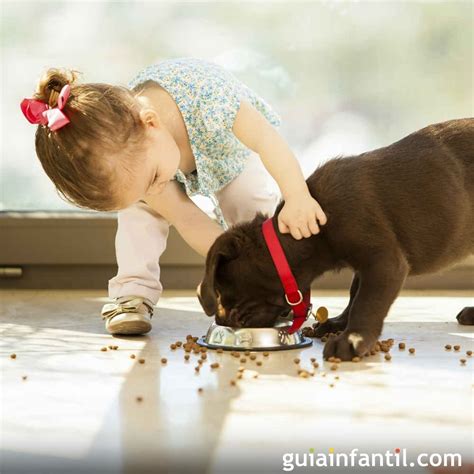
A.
pixel 130 328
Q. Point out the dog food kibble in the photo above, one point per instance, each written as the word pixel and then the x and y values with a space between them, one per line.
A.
pixel 132 356
pixel 200 362
pixel 411 350
pixel 142 361
pixel 114 348
pixel 296 361
pixel 232 382
pixel 315 365
pixel 186 356
pixel 197 368
pixel 243 360
pixel 239 376
pixel 111 347
pixel 103 349
pixel 388 357
pixel 215 365
pixel 12 356
pixel 253 357
pixel 139 399
pixel 463 361
pixel 303 374
pixel 356 359
pixel 401 346
pixel 220 350
pixel 334 367
pixel 447 347
pixel 266 354
pixel 456 348
pixel 200 390
pixel 203 349
pixel 173 347
pixel 24 377
pixel 469 353
pixel 247 353
pixel 259 363
pixel 178 343
pixel 203 356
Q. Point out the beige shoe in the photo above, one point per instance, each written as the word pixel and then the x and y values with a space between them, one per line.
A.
pixel 128 315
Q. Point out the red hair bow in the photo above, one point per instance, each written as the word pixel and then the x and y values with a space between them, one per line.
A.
pixel 39 112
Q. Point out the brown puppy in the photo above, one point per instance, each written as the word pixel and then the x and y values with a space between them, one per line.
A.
pixel 401 210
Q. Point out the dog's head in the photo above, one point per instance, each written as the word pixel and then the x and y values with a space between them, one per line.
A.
pixel 241 286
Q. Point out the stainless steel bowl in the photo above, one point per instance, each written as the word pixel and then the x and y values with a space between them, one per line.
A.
pixel 275 338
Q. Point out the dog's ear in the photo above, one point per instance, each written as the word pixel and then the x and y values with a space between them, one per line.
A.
pixel 224 249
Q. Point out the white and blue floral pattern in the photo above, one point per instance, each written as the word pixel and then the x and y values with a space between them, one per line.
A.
pixel 208 97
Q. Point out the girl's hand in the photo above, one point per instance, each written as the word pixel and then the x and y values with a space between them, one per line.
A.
pixel 300 215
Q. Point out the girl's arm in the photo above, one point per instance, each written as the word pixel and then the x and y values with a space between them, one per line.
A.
pixel 301 212
pixel 195 226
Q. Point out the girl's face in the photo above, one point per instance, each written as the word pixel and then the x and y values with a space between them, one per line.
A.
pixel 159 162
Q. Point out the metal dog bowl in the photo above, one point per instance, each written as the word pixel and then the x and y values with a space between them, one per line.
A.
pixel 275 338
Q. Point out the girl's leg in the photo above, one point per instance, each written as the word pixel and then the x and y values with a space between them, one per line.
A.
pixel 139 242
pixel 252 191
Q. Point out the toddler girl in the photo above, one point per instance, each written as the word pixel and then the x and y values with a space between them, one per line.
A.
pixel 183 127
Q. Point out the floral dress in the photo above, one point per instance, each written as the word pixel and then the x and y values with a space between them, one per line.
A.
pixel 208 97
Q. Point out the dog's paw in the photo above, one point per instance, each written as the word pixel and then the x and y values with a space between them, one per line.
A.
pixel 332 325
pixel 348 345
pixel 466 316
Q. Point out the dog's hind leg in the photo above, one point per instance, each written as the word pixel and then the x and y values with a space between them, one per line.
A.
pixel 380 283
pixel 466 316
pixel 338 323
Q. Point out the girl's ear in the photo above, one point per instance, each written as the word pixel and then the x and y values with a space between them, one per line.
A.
pixel 150 117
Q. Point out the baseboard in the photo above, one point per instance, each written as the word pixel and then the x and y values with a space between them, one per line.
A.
pixel 187 277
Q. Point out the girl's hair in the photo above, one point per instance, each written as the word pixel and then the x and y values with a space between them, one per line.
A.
pixel 81 157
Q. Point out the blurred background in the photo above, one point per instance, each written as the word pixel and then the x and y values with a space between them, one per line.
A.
pixel 345 77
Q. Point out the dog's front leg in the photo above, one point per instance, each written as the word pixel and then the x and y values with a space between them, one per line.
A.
pixel 379 285
pixel 339 323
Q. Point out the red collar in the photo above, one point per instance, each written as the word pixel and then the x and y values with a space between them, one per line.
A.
pixel 301 304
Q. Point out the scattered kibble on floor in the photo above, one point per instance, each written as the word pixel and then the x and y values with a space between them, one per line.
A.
pixel 463 361
pixel 447 347
pixel 388 357
pixel 141 361
pixel 411 350
pixel 12 356
pixel 103 349
pixel 401 345
pixel 139 399
pixel 164 360
pixel 132 356
pixel 456 348
pixel 469 353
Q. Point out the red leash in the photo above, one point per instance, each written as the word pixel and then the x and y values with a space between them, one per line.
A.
pixel 301 304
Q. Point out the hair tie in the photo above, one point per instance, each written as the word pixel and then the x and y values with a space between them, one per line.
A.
pixel 38 112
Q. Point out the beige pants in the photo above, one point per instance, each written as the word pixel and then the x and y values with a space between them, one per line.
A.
pixel 142 232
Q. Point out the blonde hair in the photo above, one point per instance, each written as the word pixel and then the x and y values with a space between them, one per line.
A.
pixel 104 121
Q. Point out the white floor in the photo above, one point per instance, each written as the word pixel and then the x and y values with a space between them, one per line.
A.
pixel 77 409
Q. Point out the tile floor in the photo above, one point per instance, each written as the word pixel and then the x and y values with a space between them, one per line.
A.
pixel 77 412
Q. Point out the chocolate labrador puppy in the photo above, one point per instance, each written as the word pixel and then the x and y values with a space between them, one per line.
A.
pixel 401 210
